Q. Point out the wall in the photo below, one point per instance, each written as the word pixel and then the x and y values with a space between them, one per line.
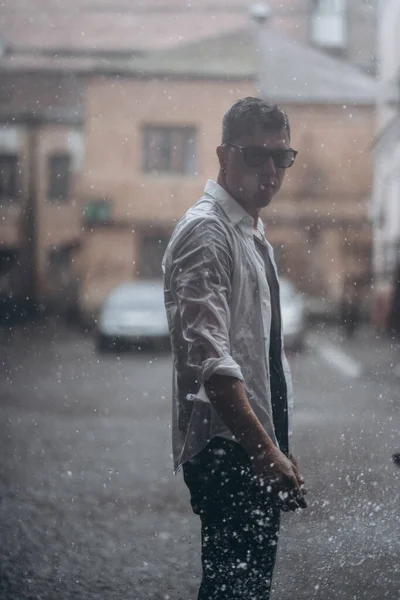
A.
pixel 326 192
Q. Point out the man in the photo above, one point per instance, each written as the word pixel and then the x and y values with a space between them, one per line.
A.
pixel 232 396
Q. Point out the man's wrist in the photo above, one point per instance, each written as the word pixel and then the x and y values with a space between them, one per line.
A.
pixel 229 399
pixel 260 449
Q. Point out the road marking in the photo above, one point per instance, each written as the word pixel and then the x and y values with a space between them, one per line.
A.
pixel 335 357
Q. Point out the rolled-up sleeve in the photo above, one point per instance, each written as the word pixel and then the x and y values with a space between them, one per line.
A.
pixel 201 274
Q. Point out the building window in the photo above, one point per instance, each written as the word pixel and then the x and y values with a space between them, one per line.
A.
pixel 60 258
pixel 63 281
pixel 97 211
pixel 151 247
pixel 9 176
pixel 8 260
pixel 328 24
pixel 329 7
pixel 60 172
pixel 169 150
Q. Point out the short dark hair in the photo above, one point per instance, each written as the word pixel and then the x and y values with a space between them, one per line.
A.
pixel 246 114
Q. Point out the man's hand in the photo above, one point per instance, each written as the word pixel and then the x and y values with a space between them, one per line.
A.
pixel 281 477
pixel 271 467
pixel 296 465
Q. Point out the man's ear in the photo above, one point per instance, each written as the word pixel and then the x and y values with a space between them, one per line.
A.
pixel 222 157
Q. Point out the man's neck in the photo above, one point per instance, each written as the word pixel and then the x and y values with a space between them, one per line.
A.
pixel 255 213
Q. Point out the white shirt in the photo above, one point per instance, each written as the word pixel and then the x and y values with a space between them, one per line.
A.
pixel 218 306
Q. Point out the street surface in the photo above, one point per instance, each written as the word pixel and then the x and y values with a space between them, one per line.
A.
pixel 90 509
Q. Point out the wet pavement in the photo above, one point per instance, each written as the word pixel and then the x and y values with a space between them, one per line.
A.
pixel 90 509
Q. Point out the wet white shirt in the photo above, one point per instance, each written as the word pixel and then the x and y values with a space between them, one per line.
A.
pixel 218 306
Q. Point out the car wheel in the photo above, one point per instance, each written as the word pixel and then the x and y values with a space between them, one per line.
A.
pixel 300 344
pixel 103 343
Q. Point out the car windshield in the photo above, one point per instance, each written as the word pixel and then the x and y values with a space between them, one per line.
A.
pixel 137 297
pixel 287 290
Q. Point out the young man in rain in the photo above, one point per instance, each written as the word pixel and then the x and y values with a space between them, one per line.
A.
pixel 232 394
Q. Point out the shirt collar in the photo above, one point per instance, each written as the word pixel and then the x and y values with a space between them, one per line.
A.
pixel 234 211
pixel 230 206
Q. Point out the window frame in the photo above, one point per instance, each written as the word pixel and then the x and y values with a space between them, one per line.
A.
pixel 151 243
pixel 176 153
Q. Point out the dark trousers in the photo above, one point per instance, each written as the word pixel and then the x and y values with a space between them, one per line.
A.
pixel 239 526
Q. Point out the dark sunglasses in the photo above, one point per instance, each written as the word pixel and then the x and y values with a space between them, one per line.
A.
pixel 257 156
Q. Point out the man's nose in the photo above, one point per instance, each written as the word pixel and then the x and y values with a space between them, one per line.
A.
pixel 269 166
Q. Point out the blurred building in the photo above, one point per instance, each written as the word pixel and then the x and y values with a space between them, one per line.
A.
pixel 41 157
pixel 110 120
pixel 162 120
pixel 385 206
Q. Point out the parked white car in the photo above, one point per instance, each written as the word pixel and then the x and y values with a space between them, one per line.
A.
pixel 294 323
pixel 133 314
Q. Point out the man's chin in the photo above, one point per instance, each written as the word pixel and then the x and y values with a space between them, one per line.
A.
pixel 264 200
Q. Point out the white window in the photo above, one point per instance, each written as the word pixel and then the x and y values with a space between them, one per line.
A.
pixel 328 23
pixel 329 7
